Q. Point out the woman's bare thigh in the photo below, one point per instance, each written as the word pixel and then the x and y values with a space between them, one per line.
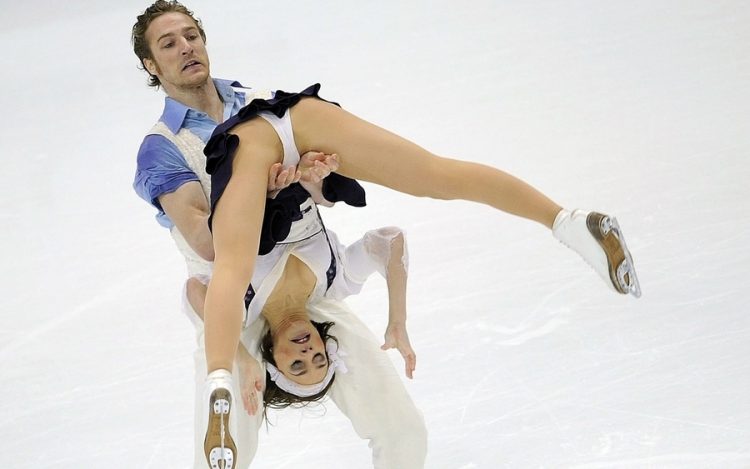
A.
pixel 238 214
pixel 370 153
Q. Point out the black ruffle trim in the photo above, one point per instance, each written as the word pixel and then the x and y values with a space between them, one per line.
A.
pixel 338 188
pixel 280 213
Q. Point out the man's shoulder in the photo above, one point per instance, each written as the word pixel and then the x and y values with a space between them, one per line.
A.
pixel 156 146
pixel 159 129
pixel 156 137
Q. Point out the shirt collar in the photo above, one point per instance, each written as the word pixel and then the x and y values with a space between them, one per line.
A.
pixel 175 112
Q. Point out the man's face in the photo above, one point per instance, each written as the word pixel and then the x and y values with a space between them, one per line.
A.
pixel 179 54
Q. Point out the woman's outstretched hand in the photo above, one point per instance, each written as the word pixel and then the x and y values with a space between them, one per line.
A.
pixel 397 337
pixel 252 382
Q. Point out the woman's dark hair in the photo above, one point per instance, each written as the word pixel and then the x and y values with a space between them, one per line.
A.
pixel 138 36
pixel 275 397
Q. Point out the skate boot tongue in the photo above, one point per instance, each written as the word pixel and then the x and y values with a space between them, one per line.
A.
pixel 598 239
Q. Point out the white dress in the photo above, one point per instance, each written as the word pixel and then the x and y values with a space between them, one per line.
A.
pixel 339 270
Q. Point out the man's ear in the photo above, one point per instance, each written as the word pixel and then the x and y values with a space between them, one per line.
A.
pixel 150 66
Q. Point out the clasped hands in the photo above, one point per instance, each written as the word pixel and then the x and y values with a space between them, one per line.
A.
pixel 313 167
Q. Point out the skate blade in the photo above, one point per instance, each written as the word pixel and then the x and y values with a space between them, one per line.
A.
pixel 219 446
pixel 606 230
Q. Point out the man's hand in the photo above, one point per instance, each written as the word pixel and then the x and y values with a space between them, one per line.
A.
pixel 252 382
pixel 397 337
pixel 315 166
pixel 280 177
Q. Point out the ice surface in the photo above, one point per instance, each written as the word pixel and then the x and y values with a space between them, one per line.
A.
pixel 525 360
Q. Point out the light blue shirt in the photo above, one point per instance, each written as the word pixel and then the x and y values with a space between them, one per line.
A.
pixel 161 167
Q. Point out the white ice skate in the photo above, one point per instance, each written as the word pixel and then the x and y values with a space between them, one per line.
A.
pixel 598 239
pixel 219 446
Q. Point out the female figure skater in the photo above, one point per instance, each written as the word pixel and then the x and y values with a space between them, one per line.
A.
pixel 300 273
pixel 311 346
pixel 240 153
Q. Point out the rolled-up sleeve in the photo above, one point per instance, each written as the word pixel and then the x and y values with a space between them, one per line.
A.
pixel 161 169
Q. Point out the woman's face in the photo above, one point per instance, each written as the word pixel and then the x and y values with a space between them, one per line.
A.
pixel 300 353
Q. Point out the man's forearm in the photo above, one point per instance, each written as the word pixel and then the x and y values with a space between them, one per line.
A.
pixel 188 209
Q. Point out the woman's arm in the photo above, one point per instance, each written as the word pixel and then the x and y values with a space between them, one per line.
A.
pixel 396 335
pixel 396 276
pixel 252 380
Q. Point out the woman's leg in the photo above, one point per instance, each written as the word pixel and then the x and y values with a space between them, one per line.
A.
pixel 370 153
pixel 237 219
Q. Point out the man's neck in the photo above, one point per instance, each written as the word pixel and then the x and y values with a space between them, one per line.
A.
pixel 203 98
